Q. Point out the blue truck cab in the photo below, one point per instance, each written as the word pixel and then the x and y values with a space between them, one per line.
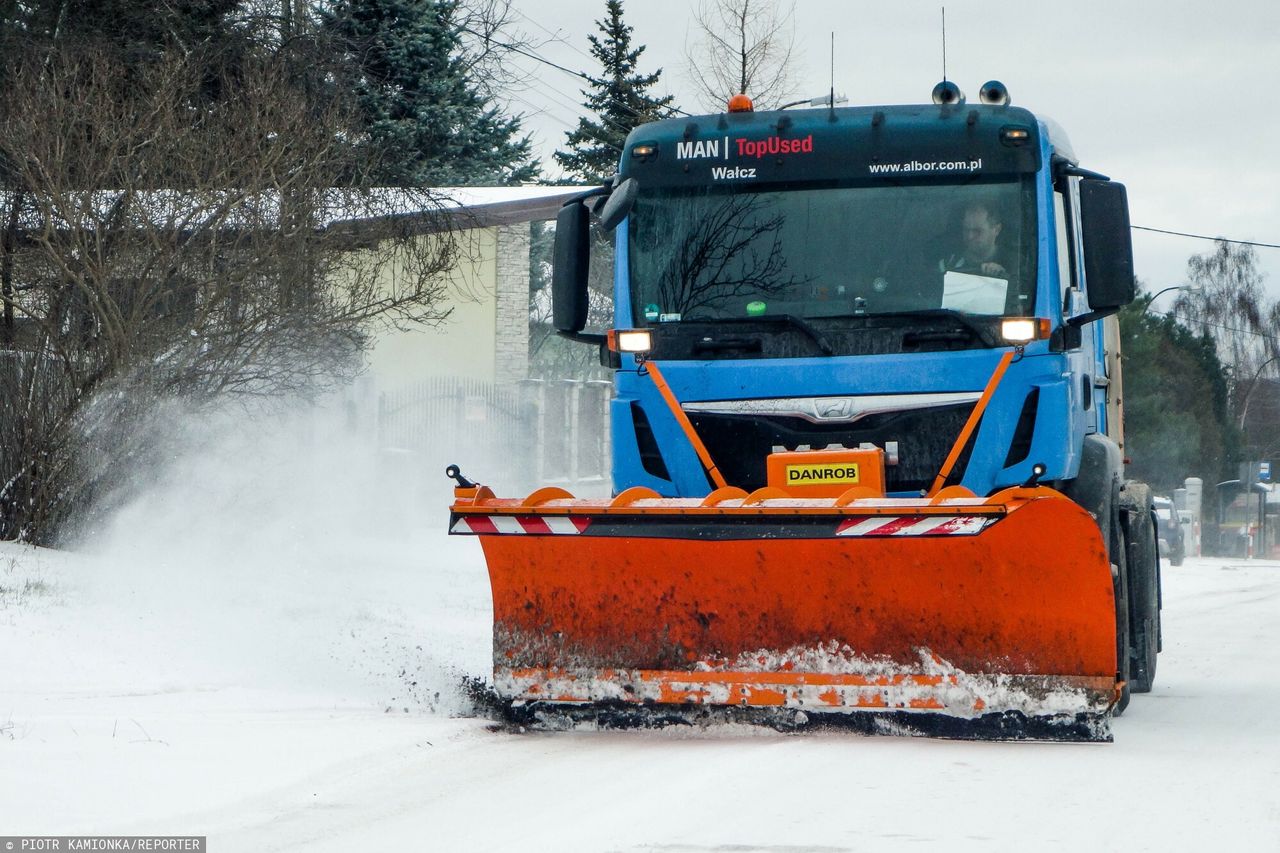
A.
pixel 845 276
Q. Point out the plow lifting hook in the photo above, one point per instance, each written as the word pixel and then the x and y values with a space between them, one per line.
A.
pixel 1037 471
pixel 456 473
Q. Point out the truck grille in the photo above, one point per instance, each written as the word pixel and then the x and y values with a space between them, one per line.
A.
pixel 739 443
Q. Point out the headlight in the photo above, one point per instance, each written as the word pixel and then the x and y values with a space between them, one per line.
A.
pixel 1023 330
pixel 630 340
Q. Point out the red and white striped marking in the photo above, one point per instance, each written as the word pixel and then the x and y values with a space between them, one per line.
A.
pixel 915 525
pixel 558 525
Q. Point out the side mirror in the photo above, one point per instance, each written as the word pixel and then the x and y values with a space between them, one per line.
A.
pixel 570 258
pixel 1108 245
pixel 618 204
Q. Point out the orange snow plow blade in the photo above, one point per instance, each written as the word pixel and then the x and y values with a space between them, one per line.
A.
pixel 954 616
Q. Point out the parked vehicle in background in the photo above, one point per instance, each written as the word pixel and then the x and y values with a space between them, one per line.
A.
pixel 1169 529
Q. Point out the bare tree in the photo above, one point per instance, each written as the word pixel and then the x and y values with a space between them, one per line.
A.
pixel 742 46
pixel 165 240
pixel 1230 306
pixel 490 34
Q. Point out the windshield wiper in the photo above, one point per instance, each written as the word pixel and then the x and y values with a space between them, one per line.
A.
pixel 979 331
pixel 798 323
pixel 804 326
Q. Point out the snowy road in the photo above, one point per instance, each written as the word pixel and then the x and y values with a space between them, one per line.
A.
pixel 264 704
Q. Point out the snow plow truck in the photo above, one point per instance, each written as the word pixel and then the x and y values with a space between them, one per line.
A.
pixel 866 438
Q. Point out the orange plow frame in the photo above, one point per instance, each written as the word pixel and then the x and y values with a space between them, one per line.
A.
pixel 954 615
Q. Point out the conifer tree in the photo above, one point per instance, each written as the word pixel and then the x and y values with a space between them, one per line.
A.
pixel 427 121
pixel 139 30
pixel 619 97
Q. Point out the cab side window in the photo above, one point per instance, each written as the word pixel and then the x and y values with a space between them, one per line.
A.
pixel 1065 266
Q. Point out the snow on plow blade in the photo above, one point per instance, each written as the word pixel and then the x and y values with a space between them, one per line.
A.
pixel 967 617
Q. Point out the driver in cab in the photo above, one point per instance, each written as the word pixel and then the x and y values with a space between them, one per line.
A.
pixel 980 250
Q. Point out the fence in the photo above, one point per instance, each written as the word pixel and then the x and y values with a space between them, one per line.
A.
pixel 535 432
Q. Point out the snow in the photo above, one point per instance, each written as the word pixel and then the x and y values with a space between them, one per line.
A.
pixel 267 649
pixel 929 682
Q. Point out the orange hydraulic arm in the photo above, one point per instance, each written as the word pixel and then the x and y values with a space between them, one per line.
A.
pixel 970 425
pixel 681 418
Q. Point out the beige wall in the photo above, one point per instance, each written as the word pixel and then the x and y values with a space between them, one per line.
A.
pixel 486 336
pixel 465 344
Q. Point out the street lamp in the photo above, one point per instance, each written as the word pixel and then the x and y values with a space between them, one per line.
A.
pixel 1253 383
pixel 1189 288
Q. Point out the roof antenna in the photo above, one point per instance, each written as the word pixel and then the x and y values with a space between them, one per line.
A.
pixel 833 69
pixel 946 92
pixel 944 44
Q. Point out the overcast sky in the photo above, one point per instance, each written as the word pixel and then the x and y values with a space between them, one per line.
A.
pixel 1178 100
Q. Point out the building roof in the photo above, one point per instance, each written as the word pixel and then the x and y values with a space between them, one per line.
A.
pixel 468 207
pixel 425 210
pixel 505 205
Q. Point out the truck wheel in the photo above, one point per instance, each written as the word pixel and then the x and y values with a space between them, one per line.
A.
pixel 1144 609
pixel 1120 586
pixel 1122 639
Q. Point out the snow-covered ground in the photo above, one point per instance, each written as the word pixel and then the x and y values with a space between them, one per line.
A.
pixel 271 657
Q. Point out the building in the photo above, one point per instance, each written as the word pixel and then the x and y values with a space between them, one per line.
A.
pixel 486 337
pixel 461 390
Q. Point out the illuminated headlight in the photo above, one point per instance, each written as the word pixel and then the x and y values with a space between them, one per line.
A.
pixel 630 340
pixel 1020 330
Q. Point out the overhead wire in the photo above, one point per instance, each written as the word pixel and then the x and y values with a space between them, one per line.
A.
pixel 579 112
pixel 560 97
pixel 570 124
pixel 1207 237
pixel 1273 339
pixel 557 37
pixel 548 110
pixel 526 52
pixel 1264 335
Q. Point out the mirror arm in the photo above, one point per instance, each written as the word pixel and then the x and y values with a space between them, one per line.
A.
pixel 597 193
pixel 607 357
pixel 1063 168
pixel 583 337
pixel 1084 319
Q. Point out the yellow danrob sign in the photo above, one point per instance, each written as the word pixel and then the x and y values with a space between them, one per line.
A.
pixel 839 472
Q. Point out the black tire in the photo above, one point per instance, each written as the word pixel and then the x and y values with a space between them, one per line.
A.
pixel 1122 639
pixel 1120 585
pixel 1160 604
pixel 1142 556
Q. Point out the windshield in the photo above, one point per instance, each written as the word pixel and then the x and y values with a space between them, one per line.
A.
pixel 724 253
